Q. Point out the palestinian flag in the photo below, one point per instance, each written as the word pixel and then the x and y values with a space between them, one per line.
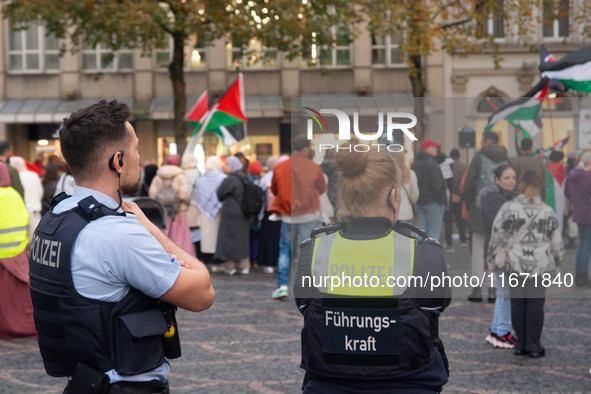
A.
pixel 226 111
pixel 573 70
pixel 560 144
pixel 523 112
pixel 527 128
pixel 547 57
pixel 557 146
pixel 555 177
pixel 195 115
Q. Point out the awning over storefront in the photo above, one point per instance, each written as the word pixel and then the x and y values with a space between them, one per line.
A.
pixel 44 110
pixel 161 108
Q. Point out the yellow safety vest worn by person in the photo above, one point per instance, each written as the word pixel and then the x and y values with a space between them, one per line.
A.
pixel 362 325
pixel 14 220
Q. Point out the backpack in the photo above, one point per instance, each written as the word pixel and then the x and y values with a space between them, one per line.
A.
pixel 487 175
pixel 252 198
pixel 167 195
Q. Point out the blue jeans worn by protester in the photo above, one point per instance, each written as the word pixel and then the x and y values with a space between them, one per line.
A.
pixel 501 324
pixel 431 218
pixel 584 251
pixel 289 231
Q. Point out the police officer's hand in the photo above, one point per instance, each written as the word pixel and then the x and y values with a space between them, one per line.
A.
pixel 132 207
pixel 181 262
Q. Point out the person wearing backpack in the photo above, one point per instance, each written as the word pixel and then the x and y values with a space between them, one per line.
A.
pixel 481 173
pixel 233 241
pixel 170 187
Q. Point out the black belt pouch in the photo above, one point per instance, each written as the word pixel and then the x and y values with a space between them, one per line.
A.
pixel 88 381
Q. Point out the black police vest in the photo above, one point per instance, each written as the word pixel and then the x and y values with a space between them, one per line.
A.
pixel 365 338
pixel 126 336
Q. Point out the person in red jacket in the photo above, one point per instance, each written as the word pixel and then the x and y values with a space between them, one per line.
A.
pixel 299 211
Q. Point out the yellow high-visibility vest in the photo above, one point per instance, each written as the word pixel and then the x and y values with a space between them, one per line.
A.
pixel 14 221
pixel 352 260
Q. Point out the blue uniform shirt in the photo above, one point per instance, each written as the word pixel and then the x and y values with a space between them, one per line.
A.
pixel 114 253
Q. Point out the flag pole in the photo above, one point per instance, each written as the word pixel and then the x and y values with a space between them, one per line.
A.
pixel 551 123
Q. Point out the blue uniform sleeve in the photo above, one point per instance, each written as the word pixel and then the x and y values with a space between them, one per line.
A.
pixel 137 258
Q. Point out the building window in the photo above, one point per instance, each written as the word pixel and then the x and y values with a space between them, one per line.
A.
pixel 101 58
pixel 195 54
pixel 251 54
pixel 558 27
pixel 335 55
pixel 493 21
pixel 385 50
pixel 31 50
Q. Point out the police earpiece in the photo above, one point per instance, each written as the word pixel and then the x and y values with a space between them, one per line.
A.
pixel 111 166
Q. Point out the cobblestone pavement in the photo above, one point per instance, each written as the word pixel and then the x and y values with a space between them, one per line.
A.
pixel 248 343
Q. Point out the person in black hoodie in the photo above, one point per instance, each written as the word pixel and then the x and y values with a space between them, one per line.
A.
pixel 481 173
pixel 490 199
pixel 431 204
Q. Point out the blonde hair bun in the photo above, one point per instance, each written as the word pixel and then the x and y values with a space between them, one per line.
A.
pixel 351 163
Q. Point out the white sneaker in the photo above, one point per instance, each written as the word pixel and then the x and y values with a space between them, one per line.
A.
pixel 268 270
pixel 216 268
pixel 230 272
pixel 491 339
pixel 245 271
pixel 280 292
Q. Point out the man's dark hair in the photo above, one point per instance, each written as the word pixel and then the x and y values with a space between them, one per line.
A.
pixel 86 133
pixel 4 146
pixel 299 143
pixel 491 136
pixel 526 144
pixel 454 154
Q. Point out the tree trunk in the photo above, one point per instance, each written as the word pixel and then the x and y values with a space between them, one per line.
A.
pixel 418 90
pixel 177 77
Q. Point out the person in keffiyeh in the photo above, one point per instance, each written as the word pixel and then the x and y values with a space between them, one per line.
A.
pixel 209 205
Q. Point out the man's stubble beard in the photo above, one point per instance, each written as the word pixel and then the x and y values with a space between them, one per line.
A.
pixel 131 188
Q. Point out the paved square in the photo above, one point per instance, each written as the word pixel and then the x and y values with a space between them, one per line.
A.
pixel 249 343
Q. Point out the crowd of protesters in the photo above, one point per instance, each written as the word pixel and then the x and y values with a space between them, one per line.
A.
pixel 490 200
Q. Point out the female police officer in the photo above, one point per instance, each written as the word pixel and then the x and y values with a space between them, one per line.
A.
pixel 370 314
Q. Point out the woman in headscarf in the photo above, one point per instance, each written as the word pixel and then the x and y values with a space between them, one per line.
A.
pixel 209 205
pixel 232 246
pixel 16 309
pixel 169 186
pixel 33 192
pixel 149 174
pixel 270 230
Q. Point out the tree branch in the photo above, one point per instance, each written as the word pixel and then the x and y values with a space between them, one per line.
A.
pixel 164 27
pixel 456 23
pixel 436 14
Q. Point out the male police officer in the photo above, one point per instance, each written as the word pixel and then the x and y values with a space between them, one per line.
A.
pixel 98 273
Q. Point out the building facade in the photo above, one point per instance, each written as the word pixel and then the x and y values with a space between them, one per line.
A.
pixel 38 88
